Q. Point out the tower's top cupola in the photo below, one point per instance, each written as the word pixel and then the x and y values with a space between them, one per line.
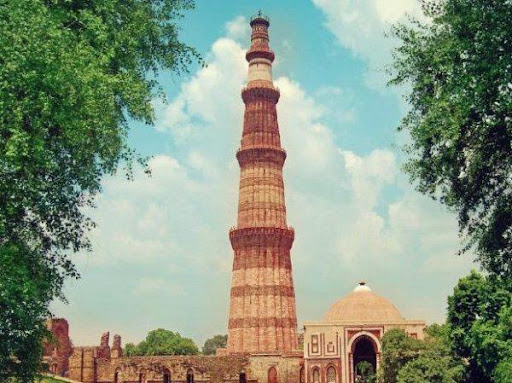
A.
pixel 260 19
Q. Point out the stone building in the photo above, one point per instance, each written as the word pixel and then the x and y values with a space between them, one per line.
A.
pixel 262 316
pixel 58 349
pixel 350 333
pixel 262 329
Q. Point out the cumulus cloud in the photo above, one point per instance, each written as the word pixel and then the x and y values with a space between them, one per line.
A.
pixel 360 25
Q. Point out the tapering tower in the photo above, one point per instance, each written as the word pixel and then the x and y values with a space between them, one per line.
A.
pixel 262 315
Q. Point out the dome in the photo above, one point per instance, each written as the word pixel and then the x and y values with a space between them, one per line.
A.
pixel 363 305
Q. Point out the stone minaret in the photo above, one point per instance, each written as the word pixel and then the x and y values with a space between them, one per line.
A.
pixel 262 314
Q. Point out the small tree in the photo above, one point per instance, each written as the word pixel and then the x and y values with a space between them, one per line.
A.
pixel 365 372
pixel 163 342
pixel 397 350
pixel 407 360
pixel 211 345
pixel 480 326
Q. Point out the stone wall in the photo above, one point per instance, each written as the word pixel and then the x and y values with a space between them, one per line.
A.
pixel 287 367
pixel 102 364
pixel 58 349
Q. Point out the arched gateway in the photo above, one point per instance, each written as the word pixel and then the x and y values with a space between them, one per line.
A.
pixel 364 350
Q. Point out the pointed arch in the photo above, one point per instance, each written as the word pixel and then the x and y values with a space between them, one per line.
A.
pixel 190 375
pixel 332 375
pixel 272 375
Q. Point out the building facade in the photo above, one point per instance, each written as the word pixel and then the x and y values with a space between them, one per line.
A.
pixel 351 333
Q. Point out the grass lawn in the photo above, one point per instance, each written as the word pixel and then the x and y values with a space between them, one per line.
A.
pixel 48 379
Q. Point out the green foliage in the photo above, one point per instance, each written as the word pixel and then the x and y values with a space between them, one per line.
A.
pixel 27 285
pixel 435 362
pixel 430 368
pixel 503 371
pixel 162 342
pixel 211 345
pixel 458 67
pixel 397 350
pixel 365 372
pixel 480 325
pixel 407 360
pixel 72 73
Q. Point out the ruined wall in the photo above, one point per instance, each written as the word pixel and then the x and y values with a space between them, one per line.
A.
pixel 94 365
pixel 86 366
pixel 287 368
pixel 58 349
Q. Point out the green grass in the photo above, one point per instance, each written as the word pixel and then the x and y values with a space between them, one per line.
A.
pixel 48 379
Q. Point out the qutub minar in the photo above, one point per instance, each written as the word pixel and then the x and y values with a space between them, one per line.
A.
pixel 262 330
pixel 262 314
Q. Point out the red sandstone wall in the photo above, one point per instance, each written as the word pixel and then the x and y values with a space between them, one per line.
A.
pixel 58 349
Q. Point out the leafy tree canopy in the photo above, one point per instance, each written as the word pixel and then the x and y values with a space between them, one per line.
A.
pixel 407 360
pixel 72 72
pixel 480 326
pixel 397 350
pixel 27 284
pixel 458 66
pixel 365 372
pixel 211 345
pixel 162 342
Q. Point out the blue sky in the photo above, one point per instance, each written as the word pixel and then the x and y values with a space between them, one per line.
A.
pixel 161 252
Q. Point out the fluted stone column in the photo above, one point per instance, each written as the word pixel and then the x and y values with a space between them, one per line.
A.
pixel 262 315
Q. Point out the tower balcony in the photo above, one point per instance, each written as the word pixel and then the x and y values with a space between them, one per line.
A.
pixel 258 90
pixel 261 236
pixel 262 52
pixel 261 153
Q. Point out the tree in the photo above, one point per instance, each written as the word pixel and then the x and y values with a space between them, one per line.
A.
pixel 407 360
pixel 26 287
pixel 480 326
pixel 163 342
pixel 365 372
pixel 211 345
pixel 72 73
pixel 435 363
pixel 397 350
pixel 458 67
pixel 430 368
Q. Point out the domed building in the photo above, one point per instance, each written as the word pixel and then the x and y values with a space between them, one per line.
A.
pixel 351 333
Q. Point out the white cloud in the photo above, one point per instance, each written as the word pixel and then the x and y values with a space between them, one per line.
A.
pixel 368 175
pixel 238 29
pixel 360 26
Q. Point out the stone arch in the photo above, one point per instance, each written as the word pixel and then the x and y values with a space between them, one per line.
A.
pixel 117 375
pixel 166 375
pixel 272 375
pixel 364 347
pixel 332 374
pixel 356 337
pixel 242 377
pixel 190 375
pixel 315 374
